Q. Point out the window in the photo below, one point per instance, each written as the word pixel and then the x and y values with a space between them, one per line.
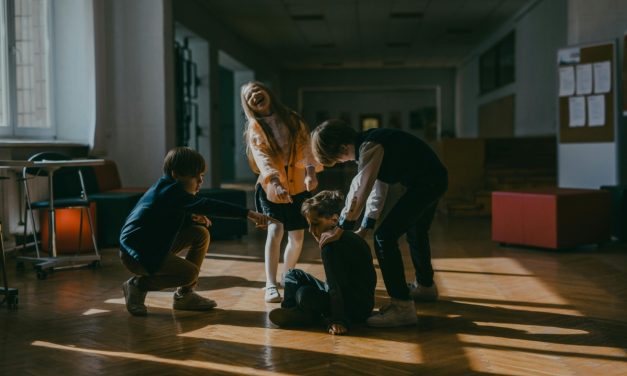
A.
pixel 496 65
pixel 25 109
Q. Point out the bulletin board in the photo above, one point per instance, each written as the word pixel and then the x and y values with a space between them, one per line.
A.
pixel 587 93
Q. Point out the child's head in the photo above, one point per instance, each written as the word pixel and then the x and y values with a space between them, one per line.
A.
pixel 322 211
pixel 187 166
pixel 331 140
pixel 258 100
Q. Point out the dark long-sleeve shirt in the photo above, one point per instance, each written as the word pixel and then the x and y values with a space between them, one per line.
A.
pixel 351 278
pixel 385 157
pixel 151 228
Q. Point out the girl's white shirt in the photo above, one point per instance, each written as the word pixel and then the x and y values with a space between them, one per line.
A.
pixel 281 136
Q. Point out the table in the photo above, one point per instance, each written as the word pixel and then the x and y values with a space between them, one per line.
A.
pixel 50 166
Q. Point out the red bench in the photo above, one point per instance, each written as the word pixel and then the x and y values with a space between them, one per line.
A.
pixel 551 217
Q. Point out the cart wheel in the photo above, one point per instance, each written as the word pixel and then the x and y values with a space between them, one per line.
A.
pixel 41 274
pixel 20 267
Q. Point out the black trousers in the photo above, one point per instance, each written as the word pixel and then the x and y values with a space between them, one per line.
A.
pixel 306 292
pixel 411 215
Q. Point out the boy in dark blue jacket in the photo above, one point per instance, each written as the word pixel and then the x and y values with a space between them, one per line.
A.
pixel 347 297
pixel 388 159
pixel 167 220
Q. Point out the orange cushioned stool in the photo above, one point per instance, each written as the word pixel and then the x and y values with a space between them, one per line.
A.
pixel 551 217
pixel 68 228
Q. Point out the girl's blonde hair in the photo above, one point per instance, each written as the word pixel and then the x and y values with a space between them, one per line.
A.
pixel 285 115
pixel 328 139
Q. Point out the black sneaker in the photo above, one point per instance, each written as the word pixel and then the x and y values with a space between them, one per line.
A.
pixel 134 298
pixel 290 317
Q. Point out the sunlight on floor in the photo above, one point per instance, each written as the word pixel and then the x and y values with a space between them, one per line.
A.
pixel 534 329
pixel 360 347
pixel 95 311
pixel 151 358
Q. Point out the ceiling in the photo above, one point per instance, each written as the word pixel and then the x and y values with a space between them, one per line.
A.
pixel 364 33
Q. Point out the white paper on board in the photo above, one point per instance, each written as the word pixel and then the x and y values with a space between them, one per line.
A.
pixel 567 81
pixel 596 110
pixel 569 55
pixel 602 77
pixel 584 79
pixel 576 111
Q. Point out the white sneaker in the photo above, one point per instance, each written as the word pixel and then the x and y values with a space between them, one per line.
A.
pixel 398 313
pixel 272 294
pixel 423 294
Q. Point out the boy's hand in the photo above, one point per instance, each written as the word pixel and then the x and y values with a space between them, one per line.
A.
pixel 363 232
pixel 338 329
pixel 311 182
pixel 330 236
pixel 260 220
pixel 201 220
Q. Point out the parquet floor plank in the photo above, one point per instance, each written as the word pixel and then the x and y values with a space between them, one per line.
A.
pixel 503 311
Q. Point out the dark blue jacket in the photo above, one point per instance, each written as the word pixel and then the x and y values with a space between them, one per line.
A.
pixel 151 228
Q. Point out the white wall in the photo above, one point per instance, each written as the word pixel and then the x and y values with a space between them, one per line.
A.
pixel 591 165
pixel 540 29
pixel 73 70
pixel 135 86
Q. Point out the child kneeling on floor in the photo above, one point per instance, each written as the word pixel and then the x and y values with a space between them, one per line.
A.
pixel 168 219
pixel 347 297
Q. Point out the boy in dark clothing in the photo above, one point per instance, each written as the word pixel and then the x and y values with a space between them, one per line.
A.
pixel 389 158
pixel 348 295
pixel 168 219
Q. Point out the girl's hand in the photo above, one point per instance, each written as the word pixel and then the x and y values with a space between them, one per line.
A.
pixel 330 236
pixel 311 182
pixel 281 193
pixel 201 220
pixel 261 221
pixel 338 329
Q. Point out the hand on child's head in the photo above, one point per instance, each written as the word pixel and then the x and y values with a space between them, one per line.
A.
pixel 330 236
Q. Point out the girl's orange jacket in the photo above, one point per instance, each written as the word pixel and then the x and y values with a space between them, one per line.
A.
pixel 268 166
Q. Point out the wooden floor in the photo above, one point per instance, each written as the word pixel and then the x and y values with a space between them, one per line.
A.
pixel 503 311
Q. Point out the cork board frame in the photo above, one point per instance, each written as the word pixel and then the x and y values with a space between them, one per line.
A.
pixel 591 54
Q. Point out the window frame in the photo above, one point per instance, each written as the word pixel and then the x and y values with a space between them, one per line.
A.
pixel 8 44
pixel 497 65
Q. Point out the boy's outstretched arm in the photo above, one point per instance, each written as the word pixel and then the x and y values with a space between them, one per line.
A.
pixel 260 220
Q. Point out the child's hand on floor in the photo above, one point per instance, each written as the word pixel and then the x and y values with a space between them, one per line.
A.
pixel 338 329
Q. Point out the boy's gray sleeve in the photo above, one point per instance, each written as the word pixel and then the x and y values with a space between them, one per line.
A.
pixel 370 158
pixel 375 203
